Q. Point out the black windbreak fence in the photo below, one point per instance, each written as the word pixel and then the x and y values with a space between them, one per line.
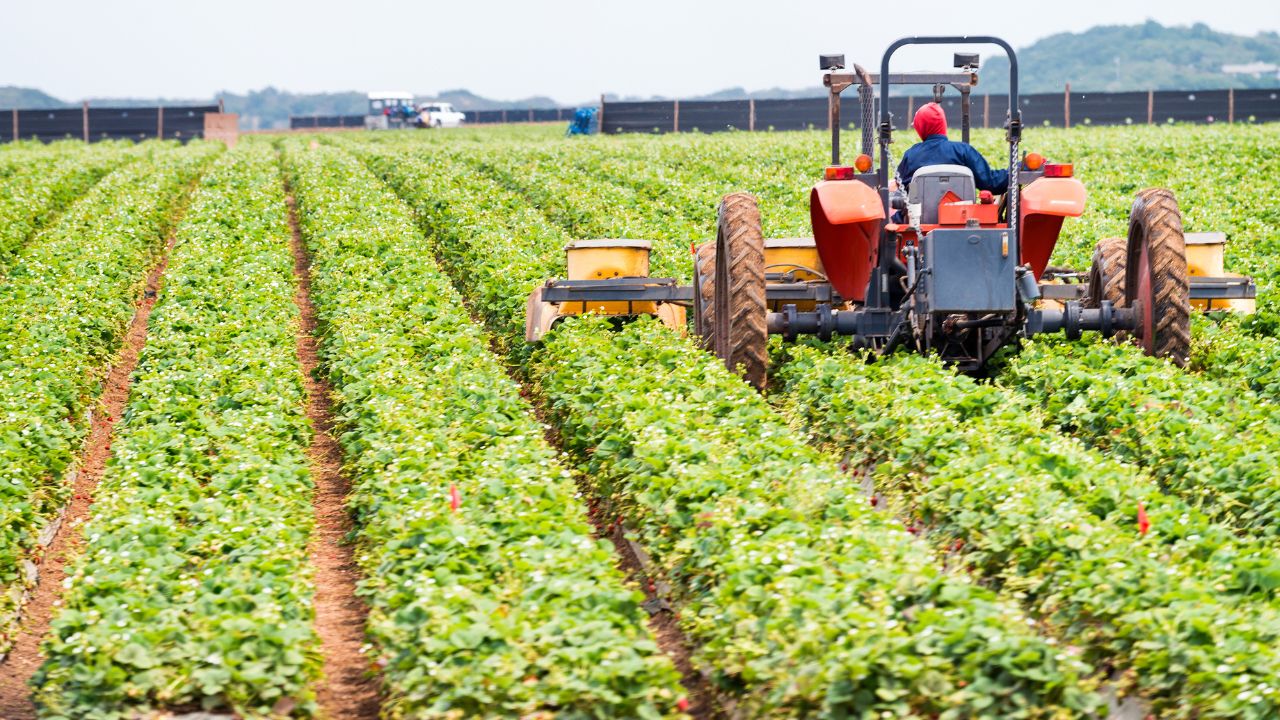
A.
pixel 305 122
pixel 105 123
pixel 521 115
pixel 1064 109
pixel 1047 109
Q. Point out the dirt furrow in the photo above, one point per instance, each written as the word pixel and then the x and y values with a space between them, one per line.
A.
pixel 348 691
pixel 704 704
pixel 25 657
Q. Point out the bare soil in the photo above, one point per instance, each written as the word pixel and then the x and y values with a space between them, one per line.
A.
pixel 26 657
pixel 348 692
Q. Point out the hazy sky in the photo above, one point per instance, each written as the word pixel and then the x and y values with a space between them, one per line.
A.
pixel 570 51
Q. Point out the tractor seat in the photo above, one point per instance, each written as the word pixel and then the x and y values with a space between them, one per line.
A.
pixel 932 182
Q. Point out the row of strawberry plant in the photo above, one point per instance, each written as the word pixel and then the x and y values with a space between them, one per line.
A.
pixel 194 588
pixel 663 189
pixel 488 594
pixel 67 301
pixel 522 248
pixel 34 191
pixel 1140 581
pixel 15 156
pixel 692 173
pixel 1215 445
pixel 801 598
pixel 1232 352
pixel 572 197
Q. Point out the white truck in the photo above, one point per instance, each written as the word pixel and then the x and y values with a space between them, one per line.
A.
pixel 438 114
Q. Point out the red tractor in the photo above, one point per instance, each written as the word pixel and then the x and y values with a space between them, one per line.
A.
pixel 938 269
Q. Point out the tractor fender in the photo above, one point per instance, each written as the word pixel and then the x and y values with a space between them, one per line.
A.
pixel 1043 205
pixel 1061 197
pixel 846 216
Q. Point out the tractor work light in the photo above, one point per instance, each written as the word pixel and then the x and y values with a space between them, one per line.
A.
pixel 862 163
pixel 1059 170
pixel 839 172
pixel 831 61
pixel 1033 161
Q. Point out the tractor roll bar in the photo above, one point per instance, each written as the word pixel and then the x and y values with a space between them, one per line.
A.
pixel 1014 135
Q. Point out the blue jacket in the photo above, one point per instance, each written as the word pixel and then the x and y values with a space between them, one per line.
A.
pixel 938 150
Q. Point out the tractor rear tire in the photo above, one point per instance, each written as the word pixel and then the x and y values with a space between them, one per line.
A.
pixel 739 313
pixel 1156 284
pixel 704 283
pixel 1106 273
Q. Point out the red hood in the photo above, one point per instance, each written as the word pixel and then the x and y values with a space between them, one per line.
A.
pixel 930 120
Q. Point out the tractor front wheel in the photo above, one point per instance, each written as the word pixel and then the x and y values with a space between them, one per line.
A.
pixel 1156 284
pixel 704 283
pixel 739 315
pixel 1106 273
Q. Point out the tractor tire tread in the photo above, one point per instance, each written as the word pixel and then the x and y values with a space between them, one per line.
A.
pixel 1107 273
pixel 704 273
pixel 1156 218
pixel 746 347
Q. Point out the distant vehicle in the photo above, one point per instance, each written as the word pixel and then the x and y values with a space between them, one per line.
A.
pixel 439 114
pixel 390 110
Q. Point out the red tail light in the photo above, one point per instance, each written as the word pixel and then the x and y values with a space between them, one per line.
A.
pixel 1059 170
pixel 839 172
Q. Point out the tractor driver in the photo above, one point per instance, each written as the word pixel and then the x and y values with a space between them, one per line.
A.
pixel 935 149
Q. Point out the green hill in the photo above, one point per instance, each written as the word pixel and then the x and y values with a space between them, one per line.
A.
pixel 1150 56
pixel 28 98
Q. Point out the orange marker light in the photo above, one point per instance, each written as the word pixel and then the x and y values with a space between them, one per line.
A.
pixel 838 172
pixel 863 163
pixel 1033 161
pixel 1061 170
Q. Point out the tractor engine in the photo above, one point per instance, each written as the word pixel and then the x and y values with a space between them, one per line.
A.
pixel 964 293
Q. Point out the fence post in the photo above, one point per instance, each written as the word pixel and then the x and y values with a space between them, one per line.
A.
pixel 600 117
pixel 1066 106
pixel 1151 105
pixel 504 115
pixel 986 110
pixel 1231 105
pixel 675 116
pixel 530 114
pixel 911 109
pixel 751 114
pixel 84 120
pixel 160 123
pixel 15 124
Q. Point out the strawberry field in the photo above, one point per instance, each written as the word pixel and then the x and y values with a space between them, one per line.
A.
pixel 608 524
